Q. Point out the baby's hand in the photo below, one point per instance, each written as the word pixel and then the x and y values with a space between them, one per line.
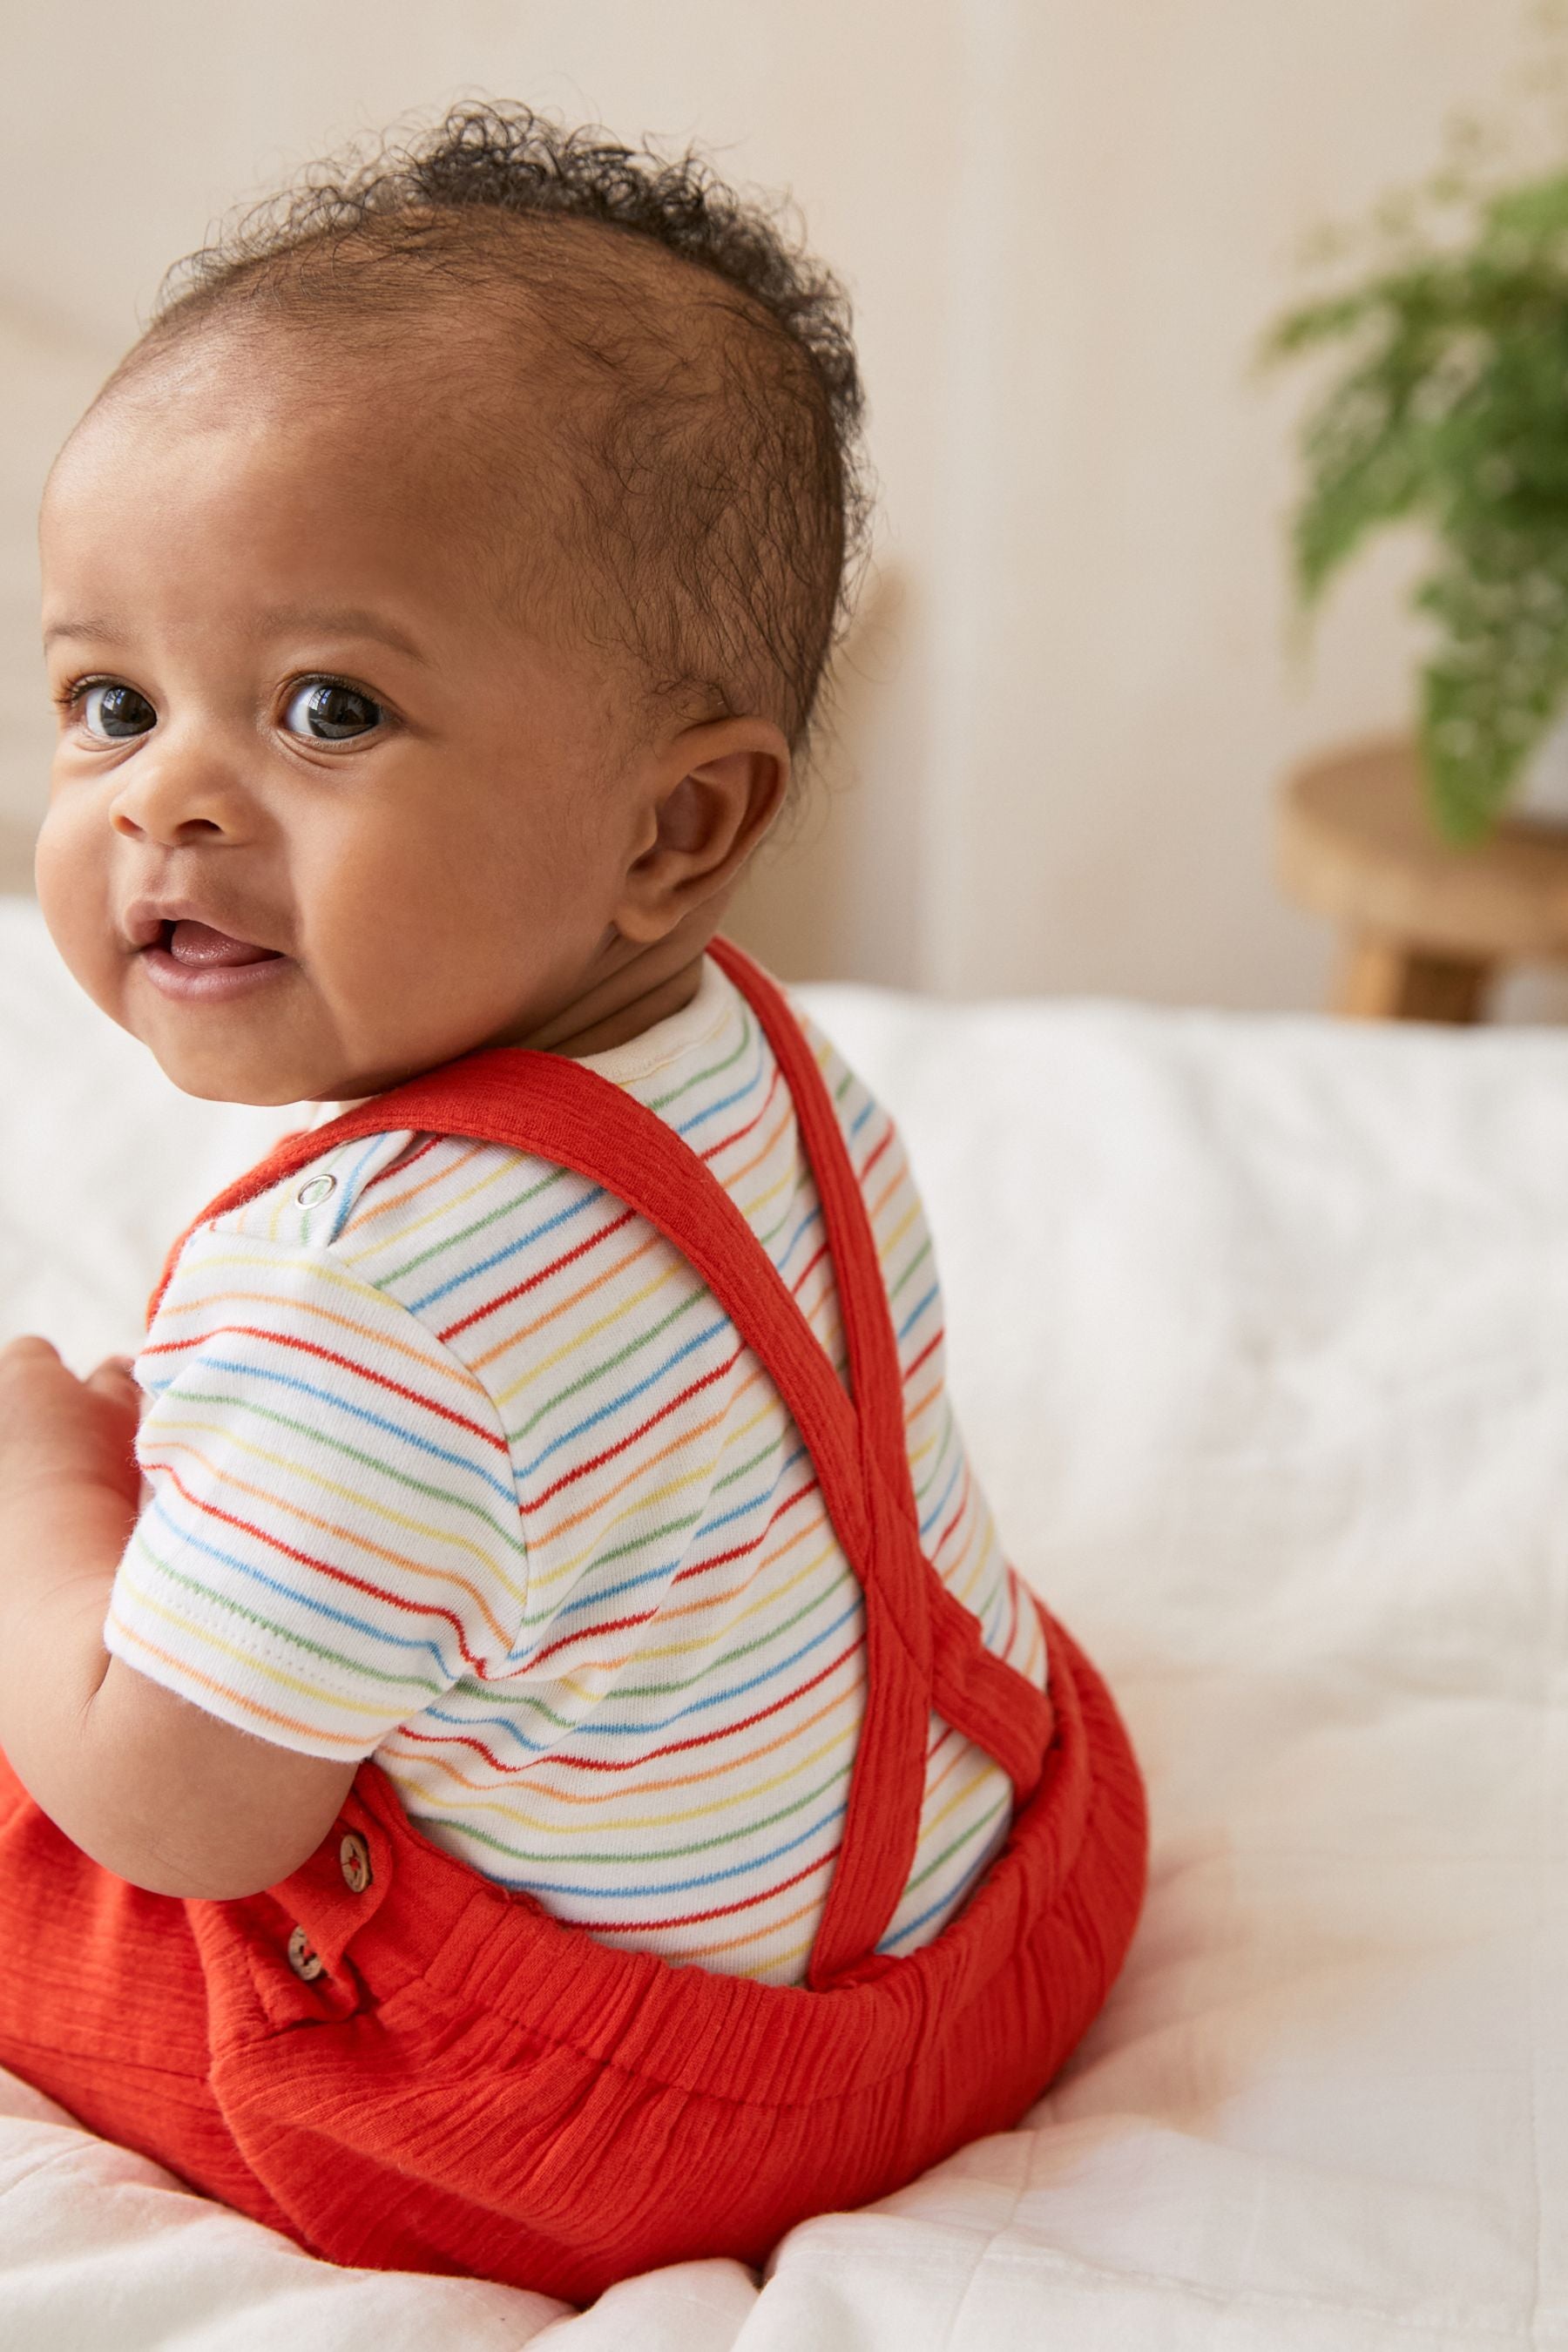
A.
pixel 156 1791
pixel 56 1431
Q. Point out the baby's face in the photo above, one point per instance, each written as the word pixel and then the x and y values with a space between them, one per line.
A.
pixel 320 815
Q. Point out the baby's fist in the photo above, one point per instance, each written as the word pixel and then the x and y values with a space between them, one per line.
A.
pixel 55 1430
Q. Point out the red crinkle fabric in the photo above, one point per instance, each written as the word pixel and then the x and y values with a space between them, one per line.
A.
pixel 468 2084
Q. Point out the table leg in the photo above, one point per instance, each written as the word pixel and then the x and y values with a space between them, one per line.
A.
pixel 1387 980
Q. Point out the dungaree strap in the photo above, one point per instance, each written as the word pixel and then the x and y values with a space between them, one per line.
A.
pixel 975 1691
pixel 923 1649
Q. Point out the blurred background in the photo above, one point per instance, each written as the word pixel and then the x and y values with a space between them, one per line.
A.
pixel 1062 716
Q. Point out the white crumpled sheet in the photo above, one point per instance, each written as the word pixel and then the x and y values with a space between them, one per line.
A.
pixel 1260 1335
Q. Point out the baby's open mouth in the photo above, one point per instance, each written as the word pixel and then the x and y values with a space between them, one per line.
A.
pixel 199 948
pixel 195 963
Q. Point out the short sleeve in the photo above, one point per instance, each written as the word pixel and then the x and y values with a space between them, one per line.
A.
pixel 331 1540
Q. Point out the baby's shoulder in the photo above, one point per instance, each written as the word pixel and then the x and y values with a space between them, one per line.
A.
pixel 415 1216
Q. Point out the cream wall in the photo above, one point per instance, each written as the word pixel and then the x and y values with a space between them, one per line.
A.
pixel 1063 221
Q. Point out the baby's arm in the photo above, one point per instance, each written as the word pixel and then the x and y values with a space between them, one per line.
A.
pixel 152 1788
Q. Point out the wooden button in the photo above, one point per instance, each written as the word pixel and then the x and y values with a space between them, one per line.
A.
pixel 306 1964
pixel 353 1860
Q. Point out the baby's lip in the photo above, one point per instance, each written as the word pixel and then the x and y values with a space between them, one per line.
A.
pixel 193 930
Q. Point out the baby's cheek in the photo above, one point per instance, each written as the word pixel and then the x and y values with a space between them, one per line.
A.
pixel 441 917
pixel 388 953
pixel 72 872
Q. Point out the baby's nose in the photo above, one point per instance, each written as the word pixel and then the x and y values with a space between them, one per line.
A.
pixel 175 800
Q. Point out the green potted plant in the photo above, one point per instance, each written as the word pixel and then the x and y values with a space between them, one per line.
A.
pixel 1448 408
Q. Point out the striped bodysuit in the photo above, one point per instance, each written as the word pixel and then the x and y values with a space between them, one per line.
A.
pixel 455 1461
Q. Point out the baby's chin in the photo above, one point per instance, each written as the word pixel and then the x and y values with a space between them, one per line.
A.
pixel 244 1062
pixel 263 1085
pixel 249 1062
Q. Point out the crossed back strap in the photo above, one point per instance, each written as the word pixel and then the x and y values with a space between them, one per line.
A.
pixel 923 1649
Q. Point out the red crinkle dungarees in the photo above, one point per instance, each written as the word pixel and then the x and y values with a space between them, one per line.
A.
pixel 468 2084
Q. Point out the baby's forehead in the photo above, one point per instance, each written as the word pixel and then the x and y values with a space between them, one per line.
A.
pixel 234 407
pixel 356 468
pixel 636 448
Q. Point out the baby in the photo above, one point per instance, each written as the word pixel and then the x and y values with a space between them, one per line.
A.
pixel 530 1760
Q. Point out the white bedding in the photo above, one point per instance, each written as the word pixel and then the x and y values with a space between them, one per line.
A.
pixel 1260 1333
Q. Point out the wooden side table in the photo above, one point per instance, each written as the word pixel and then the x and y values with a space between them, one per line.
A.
pixel 1426 925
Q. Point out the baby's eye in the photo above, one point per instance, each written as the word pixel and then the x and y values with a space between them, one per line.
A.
pixel 113 712
pixel 329 711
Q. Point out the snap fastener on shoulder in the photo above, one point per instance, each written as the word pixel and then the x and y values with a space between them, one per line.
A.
pixel 318 1188
pixel 307 1964
pixel 353 1860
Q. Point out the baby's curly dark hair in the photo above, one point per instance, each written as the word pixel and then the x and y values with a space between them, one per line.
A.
pixel 705 497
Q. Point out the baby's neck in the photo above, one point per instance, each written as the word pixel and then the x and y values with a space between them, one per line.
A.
pixel 592 1032
pixel 616 1005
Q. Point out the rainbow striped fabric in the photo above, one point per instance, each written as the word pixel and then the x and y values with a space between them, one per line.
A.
pixel 455 1461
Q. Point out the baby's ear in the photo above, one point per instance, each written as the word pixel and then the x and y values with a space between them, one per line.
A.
pixel 708 800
